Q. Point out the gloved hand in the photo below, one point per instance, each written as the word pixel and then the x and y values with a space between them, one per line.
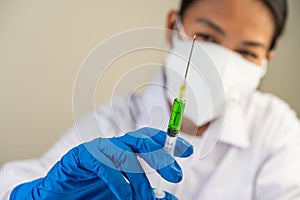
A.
pixel 109 169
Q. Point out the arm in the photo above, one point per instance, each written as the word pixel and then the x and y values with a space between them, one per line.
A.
pixel 17 172
pixel 278 178
pixel 109 169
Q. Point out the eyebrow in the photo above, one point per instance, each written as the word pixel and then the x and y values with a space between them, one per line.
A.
pixel 217 28
pixel 254 44
pixel 211 24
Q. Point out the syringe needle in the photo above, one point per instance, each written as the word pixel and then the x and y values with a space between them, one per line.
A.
pixel 183 85
pixel 190 55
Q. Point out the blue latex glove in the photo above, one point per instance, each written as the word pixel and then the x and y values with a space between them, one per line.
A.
pixel 96 169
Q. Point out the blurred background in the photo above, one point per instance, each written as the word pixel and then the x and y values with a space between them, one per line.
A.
pixel 43 44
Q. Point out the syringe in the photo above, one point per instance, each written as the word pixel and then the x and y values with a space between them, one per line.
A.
pixel 175 122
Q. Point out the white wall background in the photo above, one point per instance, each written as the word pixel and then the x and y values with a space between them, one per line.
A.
pixel 42 44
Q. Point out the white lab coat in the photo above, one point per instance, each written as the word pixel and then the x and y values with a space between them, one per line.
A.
pixel 256 157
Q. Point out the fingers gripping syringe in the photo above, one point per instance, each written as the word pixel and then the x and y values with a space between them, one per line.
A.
pixel 175 122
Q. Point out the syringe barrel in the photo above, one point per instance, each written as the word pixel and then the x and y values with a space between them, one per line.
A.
pixel 176 117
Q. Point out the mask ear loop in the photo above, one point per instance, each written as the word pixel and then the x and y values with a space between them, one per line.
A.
pixel 178 27
pixel 264 65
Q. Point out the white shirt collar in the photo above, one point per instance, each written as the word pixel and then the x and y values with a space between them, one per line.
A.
pixel 235 131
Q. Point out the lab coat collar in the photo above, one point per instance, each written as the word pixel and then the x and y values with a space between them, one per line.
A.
pixel 235 131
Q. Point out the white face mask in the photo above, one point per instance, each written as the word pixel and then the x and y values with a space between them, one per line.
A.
pixel 217 77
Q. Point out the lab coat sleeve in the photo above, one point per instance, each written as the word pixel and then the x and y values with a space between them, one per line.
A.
pixel 100 123
pixel 278 177
pixel 17 172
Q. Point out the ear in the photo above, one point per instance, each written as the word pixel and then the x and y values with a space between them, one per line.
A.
pixel 270 55
pixel 171 19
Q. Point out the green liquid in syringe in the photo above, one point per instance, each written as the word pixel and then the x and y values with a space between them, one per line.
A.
pixel 176 117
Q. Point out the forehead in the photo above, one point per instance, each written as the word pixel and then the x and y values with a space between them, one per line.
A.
pixel 241 18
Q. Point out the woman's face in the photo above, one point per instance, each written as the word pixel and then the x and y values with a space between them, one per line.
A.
pixel 244 26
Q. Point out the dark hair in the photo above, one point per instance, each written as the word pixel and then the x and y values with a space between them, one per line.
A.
pixel 278 9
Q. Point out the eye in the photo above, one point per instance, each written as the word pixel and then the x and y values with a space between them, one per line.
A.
pixel 206 37
pixel 247 53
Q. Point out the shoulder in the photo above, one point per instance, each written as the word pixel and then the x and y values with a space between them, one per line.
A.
pixel 268 108
pixel 271 120
pixel 270 101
